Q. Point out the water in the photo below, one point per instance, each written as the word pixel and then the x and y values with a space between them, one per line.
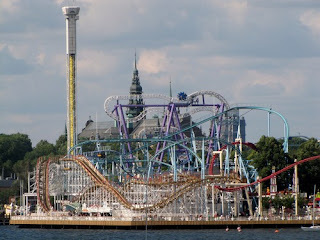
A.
pixel 13 232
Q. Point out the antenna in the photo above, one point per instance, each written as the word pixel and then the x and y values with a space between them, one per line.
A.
pixel 170 88
pixel 96 124
pixel 135 59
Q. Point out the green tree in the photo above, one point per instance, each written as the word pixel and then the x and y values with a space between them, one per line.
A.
pixel 309 172
pixel 12 149
pixel 61 145
pixel 293 144
pixel 266 202
pixel 43 148
pixel 4 195
pixel 270 153
pixel 276 202
pixel 287 201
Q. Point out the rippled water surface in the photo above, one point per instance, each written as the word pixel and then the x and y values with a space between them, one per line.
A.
pixel 13 232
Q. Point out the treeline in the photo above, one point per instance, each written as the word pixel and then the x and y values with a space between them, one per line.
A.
pixel 18 157
pixel 270 153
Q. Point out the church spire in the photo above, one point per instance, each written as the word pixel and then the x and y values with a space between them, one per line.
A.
pixel 135 61
pixel 135 85
pixel 135 93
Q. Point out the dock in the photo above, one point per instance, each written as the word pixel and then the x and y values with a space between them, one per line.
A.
pixel 97 222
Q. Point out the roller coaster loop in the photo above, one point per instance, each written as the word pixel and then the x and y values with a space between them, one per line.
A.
pixel 270 176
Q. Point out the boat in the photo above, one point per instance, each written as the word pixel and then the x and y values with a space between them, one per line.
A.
pixel 312 228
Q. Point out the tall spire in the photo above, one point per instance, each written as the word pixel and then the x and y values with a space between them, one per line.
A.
pixel 135 92
pixel 135 60
pixel 135 85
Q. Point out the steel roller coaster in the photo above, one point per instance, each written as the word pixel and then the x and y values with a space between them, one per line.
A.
pixel 174 173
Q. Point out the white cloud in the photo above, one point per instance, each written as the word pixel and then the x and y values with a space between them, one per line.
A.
pixel 110 18
pixel 20 50
pixel 40 58
pixel 9 6
pixel 236 9
pixel 233 47
pixel 153 61
pixel 255 84
pixel 311 19
pixel 95 63
pixel 11 65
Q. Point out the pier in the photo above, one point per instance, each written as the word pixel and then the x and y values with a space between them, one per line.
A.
pixel 103 222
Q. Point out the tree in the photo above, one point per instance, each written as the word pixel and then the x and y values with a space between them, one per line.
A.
pixel 12 149
pixel 28 163
pixel 288 201
pixel 270 153
pixel 61 145
pixel 309 172
pixel 44 148
pixel 266 202
pixel 294 144
pixel 17 156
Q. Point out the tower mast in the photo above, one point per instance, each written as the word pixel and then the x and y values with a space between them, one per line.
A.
pixel 71 15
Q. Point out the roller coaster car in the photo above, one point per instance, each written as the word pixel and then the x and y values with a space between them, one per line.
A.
pixel 101 154
pixel 67 169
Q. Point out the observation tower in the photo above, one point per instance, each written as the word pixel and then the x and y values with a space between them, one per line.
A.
pixel 71 14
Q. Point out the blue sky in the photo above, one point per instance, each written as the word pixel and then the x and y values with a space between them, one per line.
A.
pixel 261 53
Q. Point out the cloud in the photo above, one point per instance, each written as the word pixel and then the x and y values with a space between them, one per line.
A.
pixel 10 65
pixel 153 61
pixel 236 10
pixel 247 51
pixel 8 8
pixel 311 19
pixel 92 62
pixel 258 85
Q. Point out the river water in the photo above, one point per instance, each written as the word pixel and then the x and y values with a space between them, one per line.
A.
pixel 16 233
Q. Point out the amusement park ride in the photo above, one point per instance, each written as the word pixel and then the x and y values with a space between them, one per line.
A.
pixel 171 174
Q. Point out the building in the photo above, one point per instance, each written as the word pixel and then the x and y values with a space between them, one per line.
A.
pixel 231 124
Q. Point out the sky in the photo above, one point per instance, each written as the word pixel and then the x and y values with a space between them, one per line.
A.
pixel 254 53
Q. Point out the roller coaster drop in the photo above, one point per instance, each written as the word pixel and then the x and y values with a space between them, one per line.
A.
pixel 173 175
